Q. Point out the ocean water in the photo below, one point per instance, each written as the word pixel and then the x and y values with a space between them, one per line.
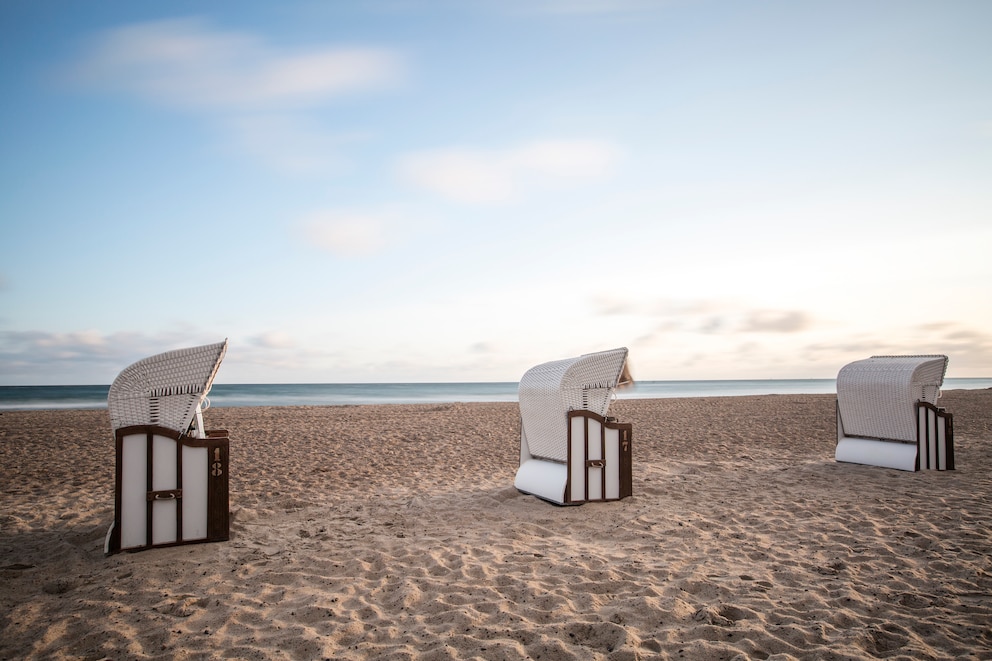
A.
pixel 342 394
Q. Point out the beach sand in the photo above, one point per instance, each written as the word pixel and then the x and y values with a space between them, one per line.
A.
pixel 395 532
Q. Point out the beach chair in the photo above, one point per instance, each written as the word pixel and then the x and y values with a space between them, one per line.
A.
pixel 171 474
pixel 887 414
pixel 570 451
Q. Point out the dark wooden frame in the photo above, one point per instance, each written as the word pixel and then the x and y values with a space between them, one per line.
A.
pixel 924 439
pixel 218 489
pixel 625 469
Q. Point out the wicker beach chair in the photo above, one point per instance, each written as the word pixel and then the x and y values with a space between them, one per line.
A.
pixel 570 451
pixel 171 476
pixel 887 414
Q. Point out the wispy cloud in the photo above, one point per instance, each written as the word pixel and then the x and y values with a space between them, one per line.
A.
pixel 705 315
pixel 272 340
pixel 86 356
pixel 776 321
pixel 263 97
pixel 731 321
pixel 970 350
pixel 184 63
pixel 483 176
pixel 95 357
pixel 583 7
pixel 347 233
pixel 484 347
pixel 609 304
pixel 291 143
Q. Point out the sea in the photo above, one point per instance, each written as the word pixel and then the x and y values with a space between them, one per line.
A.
pixel 345 394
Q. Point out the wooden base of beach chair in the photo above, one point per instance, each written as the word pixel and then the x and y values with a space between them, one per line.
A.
pixel 936 437
pixel 933 449
pixel 599 458
pixel 171 489
pixel 598 467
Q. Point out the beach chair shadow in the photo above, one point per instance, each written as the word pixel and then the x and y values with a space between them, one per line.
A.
pixel 887 414
pixel 171 475
pixel 570 451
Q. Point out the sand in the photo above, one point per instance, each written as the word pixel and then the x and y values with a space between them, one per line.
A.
pixel 395 532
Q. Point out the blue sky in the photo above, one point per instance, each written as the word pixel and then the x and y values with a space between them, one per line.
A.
pixel 415 190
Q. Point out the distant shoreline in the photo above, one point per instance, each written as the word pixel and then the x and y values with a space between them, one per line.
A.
pixel 13 398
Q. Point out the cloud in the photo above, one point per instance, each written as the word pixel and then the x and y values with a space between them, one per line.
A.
pixel 289 143
pixel 185 64
pixel 583 7
pixel 775 321
pixel 564 159
pixel 722 337
pixel 347 233
pixel 484 347
pixel 272 340
pixel 713 325
pixel 479 176
pixel 706 316
pixel 363 232
pixel 609 304
pixel 81 357
pixel 969 350
pixel 39 345
pixel 966 346
pixel 459 175
pixel 259 95
pixel 95 357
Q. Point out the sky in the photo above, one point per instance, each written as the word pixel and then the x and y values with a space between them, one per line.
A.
pixel 442 190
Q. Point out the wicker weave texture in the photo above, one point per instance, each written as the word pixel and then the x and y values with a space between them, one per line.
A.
pixel 548 391
pixel 165 389
pixel 877 396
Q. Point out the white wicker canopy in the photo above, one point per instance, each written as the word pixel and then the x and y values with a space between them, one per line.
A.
pixel 877 396
pixel 166 389
pixel 547 392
